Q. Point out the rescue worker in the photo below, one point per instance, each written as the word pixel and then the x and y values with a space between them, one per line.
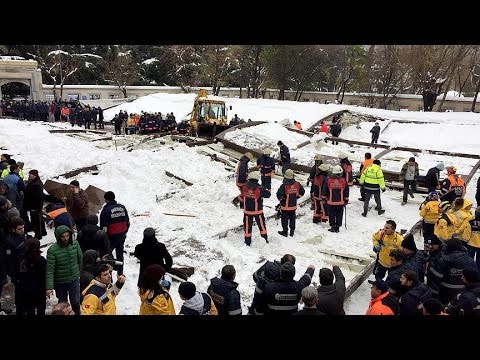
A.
pixel 154 294
pixel 467 302
pixel 115 222
pixel 430 214
pixel 368 161
pixel 452 186
pixel 347 168
pixel 268 272
pixel 195 302
pixel 284 156
pixel 445 225
pixel 99 296
pixel 473 244
pixel 287 194
pixel 382 302
pixel 251 196
pixel 335 191
pixel 241 175
pixel 462 210
pixel 313 171
pixel 224 292
pixel 335 129
pixel 373 181
pixel 320 209
pixel 266 165
pixel 385 240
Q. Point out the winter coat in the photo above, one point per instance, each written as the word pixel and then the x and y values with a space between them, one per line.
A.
pixel 63 261
pixel 412 298
pixel 282 296
pixel 30 288
pixel 468 300
pixel 268 272
pixel 225 295
pixel 405 167
pixel 77 204
pixel 462 223
pixel 150 252
pixel 432 179
pixel 445 226
pixel 199 304
pixel 372 178
pixel 266 165
pixel 114 220
pixel 448 271
pixel 252 197
pixel 156 302
pixel 393 278
pixel 241 173
pixel 89 262
pixel 429 211
pixel 331 297
pixel 288 193
pixel 33 199
pixel 92 237
pixel 99 299
pixel 388 243
pixel 284 155
pixel 384 304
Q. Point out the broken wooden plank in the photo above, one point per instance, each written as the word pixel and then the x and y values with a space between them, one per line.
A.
pixel 146 213
pixel 75 172
pixel 359 279
pixel 175 214
pixel 351 266
pixel 182 273
pixel 169 174
pixel 344 255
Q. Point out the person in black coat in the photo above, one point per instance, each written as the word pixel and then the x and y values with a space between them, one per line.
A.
pixel 375 133
pixel 31 286
pixel 468 301
pixel 415 293
pixel 89 261
pixel 284 156
pixel 151 251
pixel 91 236
pixel 331 295
pixel 432 179
pixel 33 202
pixel 282 296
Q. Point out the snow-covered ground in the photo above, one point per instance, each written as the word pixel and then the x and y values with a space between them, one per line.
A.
pixel 135 171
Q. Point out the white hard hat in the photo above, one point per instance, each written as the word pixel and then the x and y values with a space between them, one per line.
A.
pixel 337 170
pixel 254 175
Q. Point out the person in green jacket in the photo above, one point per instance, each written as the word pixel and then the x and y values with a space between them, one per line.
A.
pixel 373 181
pixel 64 259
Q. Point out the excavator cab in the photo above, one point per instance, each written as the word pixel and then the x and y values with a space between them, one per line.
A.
pixel 209 116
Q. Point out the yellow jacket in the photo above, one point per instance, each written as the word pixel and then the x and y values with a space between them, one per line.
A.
pixel 99 299
pixel 462 222
pixel 429 212
pixel 444 229
pixel 6 171
pixel 390 242
pixel 372 178
pixel 156 302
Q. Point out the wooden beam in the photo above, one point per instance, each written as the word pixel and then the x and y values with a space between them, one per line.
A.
pixel 175 214
pixel 75 172
pixel 169 174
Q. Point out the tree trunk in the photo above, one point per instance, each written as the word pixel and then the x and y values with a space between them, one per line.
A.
pixel 124 91
pixel 428 100
pixel 477 89
pixel 61 91
pixel 444 94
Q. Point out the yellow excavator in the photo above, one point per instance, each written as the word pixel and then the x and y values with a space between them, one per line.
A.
pixel 209 115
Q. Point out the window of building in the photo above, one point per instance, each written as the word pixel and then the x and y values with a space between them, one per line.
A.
pixel 113 96
pixel 71 97
pixel 328 102
pixel 49 97
pixel 94 97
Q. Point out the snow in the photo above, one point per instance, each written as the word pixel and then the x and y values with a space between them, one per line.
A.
pixel 135 172
pixel 149 61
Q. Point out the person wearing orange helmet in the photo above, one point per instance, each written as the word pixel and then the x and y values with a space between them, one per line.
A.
pixel 453 185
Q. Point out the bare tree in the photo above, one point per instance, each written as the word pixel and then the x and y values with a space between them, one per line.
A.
pixel 350 67
pixel 121 70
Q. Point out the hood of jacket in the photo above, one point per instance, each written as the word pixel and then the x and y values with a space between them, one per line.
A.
pixel 195 303
pixel 60 230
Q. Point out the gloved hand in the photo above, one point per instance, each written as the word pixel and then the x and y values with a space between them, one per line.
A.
pixel 383 190
pixel 346 201
pixel 308 182
pixel 377 248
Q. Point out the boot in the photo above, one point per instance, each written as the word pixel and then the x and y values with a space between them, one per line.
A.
pixel 332 229
pixel 381 211
pixel 235 202
pixel 337 229
pixel 266 238
pixel 364 214
pixel 292 232
pixel 403 203
pixel 283 233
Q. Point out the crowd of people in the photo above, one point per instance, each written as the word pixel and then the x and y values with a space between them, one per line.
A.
pixel 442 278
